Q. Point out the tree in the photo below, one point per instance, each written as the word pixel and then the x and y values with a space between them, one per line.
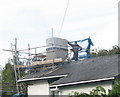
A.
pixel 8 80
pixel 103 52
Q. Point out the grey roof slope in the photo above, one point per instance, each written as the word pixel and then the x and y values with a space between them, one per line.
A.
pixel 83 70
pixel 90 69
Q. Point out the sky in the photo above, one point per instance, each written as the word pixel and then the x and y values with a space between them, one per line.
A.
pixel 30 21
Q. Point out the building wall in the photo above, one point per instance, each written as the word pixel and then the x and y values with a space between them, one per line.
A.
pixel 42 88
pixel 86 88
pixel 38 88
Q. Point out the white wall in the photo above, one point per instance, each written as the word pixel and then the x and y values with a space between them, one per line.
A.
pixel 38 88
pixel 42 87
pixel 86 88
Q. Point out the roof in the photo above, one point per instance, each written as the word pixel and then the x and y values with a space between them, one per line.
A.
pixel 82 70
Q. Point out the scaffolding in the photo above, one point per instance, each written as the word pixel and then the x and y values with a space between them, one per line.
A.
pixel 31 60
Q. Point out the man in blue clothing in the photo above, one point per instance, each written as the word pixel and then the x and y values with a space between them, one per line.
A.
pixel 75 48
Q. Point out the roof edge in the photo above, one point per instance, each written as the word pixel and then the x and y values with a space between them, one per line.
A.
pixel 81 82
pixel 41 78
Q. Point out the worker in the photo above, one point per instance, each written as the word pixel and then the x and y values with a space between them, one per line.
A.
pixel 70 55
pixel 75 48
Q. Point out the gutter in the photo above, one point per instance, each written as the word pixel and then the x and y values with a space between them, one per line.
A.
pixel 41 78
pixel 82 82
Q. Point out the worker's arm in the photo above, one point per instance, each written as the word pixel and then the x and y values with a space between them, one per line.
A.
pixel 80 48
pixel 70 44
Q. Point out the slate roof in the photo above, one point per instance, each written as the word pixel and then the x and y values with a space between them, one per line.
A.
pixel 82 70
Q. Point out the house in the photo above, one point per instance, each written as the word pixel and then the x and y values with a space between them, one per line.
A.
pixel 81 76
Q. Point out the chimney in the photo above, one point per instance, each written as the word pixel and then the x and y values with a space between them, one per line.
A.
pixel 56 48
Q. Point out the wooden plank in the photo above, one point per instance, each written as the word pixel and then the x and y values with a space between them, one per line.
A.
pixel 47 61
pixel 50 61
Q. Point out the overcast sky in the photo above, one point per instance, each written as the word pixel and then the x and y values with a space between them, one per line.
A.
pixel 31 22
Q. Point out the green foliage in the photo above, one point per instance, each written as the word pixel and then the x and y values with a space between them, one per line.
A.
pixel 77 94
pixel 8 80
pixel 115 88
pixel 8 73
pixel 115 50
pixel 98 91
pixel 102 52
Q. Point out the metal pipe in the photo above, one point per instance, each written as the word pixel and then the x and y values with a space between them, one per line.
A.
pixel 14 63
